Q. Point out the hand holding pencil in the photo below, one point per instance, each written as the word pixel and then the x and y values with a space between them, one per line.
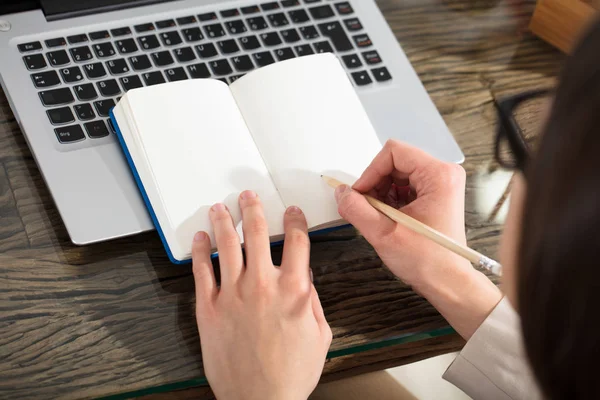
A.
pixel 410 207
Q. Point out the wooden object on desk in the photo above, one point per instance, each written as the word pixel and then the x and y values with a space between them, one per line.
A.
pixel 561 22
pixel 115 317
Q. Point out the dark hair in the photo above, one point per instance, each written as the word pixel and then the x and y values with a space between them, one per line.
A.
pixel 558 277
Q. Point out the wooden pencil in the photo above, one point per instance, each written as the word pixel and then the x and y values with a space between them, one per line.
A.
pixel 430 233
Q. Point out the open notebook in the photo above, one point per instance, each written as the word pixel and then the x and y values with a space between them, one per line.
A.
pixel 194 143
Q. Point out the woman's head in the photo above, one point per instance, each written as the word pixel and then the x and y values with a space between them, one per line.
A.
pixel 553 274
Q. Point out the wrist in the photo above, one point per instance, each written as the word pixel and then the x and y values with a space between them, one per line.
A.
pixel 463 295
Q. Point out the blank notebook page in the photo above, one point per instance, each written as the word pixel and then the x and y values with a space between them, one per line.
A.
pixel 307 120
pixel 199 152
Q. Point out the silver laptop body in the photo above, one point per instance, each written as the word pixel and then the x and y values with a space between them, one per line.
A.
pixel 62 70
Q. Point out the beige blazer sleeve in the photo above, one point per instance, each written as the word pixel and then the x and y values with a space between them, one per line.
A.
pixel 493 365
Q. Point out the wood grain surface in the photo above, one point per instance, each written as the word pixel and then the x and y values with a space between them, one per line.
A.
pixel 80 322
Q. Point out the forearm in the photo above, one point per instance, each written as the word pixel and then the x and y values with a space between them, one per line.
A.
pixel 463 295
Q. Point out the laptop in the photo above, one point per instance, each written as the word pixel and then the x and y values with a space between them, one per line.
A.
pixel 66 63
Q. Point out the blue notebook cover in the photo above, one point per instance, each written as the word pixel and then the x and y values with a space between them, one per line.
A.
pixel 140 186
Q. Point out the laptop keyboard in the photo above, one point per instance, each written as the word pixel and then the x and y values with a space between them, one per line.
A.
pixel 80 78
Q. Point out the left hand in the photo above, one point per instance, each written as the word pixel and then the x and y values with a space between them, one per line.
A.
pixel 263 332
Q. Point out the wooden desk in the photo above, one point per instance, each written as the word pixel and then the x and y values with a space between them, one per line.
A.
pixel 117 317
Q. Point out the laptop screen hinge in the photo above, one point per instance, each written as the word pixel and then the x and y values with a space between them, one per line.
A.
pixel 62 9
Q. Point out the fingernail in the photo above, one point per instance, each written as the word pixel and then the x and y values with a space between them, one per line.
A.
pixel 219 207
pixel 247 194
pixel 200 236
pixel 340 190
pixel 293 210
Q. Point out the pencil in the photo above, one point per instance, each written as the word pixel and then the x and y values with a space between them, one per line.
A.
pixel 430 233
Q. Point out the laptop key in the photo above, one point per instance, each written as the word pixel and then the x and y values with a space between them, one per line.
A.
pixel 121 31
pixel 344 8
pixel 31 46
pixel 103 50
pixel 153 78
pixel 176 74
pixel 284 54
pixel 228 46
pixel 74 39
pixel 236 27
pixel 214 30
pixel 162 58
pixel 103 106
pixel 299 16
pixel 250 10
pixel 149 42
pixel 290 35
pixel 234 12
pixel 211 16
pixel 34 61
pixel 193 34
pixel 352 61
pixel 198 71
pixel 290 3
pixel 69 134
pixel 304 50
pixel 148 27
pixel 381 74
pixel 140 63
pixel 60 116
pixel 111 126
pixel 353 24
pixel 309 32
pixel 321 12
pixel 56 42
pixel 363 40
pixel 96 129
pixel 170 38
pixel 109 88
pixel 270 6
pixel 250 42
pixel 278 20
pixel 221 67
pixel 372 57
pixel 206 50
pixel 335 32
pixel 94 71
pixel 270 39
pixel 56 97
pixel 167 23
pixel 58 57
pixel 242 63
pixel 257 23
pixel 362 78
pixel 45 79
pixel 84 111
pixel 233 78
pixel 100 35
pixel 126 46
pixel 131 82
pixel 187 20
pixel 323 47
pixel 264 58
pixel 85 92
pixel 184 54
pixel 81 54
pixel 71 74
pixel 118 66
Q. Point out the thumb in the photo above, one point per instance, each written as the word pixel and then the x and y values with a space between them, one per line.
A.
pixel 355 209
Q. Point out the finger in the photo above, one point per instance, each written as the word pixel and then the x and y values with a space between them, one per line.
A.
pixel 228 244
pixel 397 160
pixel 256 233
pixel 320 316
pixel 296 247
pixel 355 209
pixel 204 276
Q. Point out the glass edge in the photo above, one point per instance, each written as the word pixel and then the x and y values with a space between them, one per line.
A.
pixel 407 338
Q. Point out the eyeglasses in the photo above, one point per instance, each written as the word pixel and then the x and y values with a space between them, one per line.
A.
pixel 513 146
